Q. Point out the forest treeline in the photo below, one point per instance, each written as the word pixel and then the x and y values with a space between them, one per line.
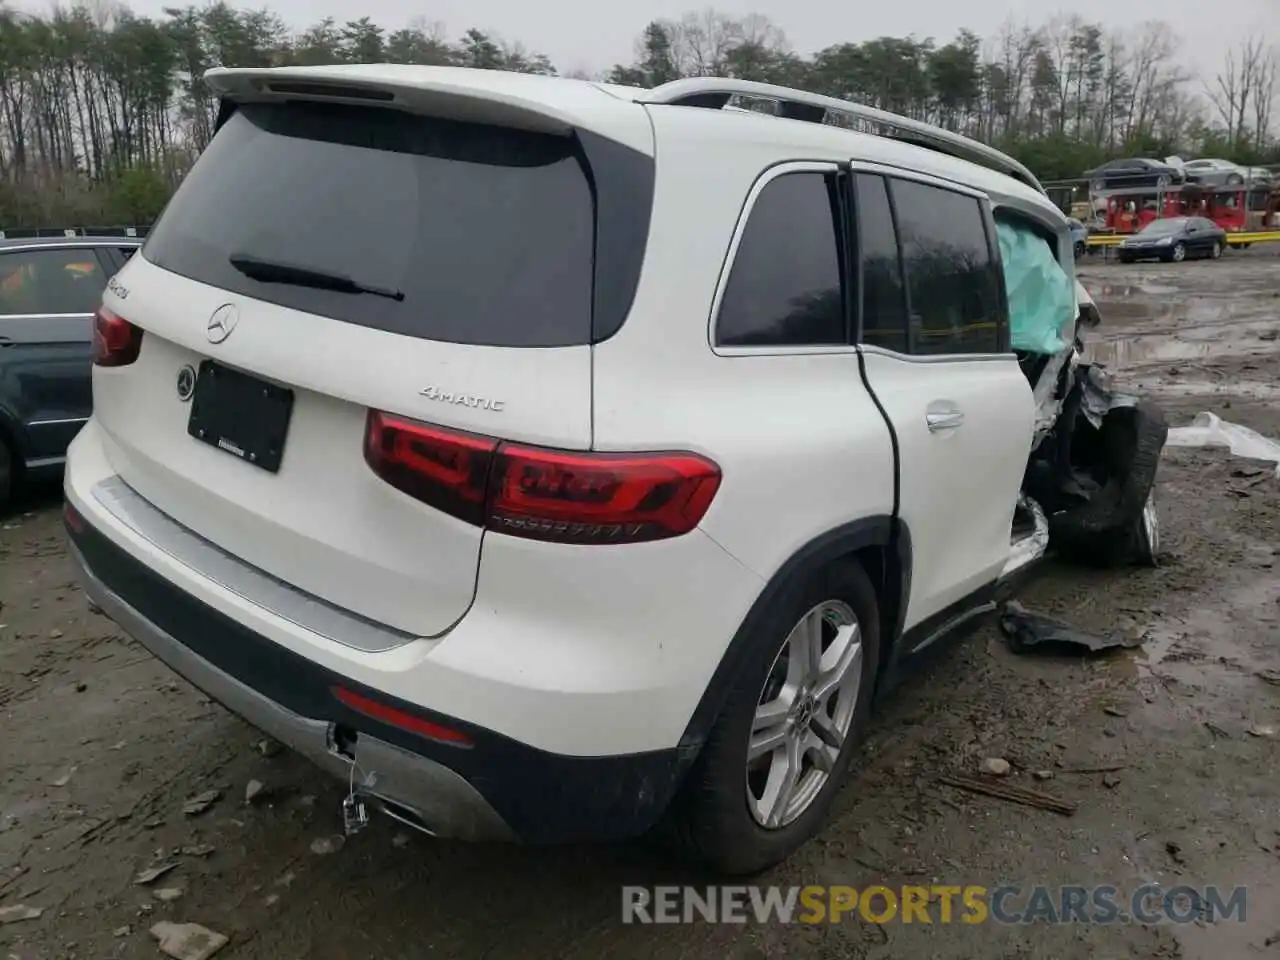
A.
pixel 102 110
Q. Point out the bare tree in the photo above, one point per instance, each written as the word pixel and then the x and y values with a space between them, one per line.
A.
pixel 1244 89
pixel 1264 100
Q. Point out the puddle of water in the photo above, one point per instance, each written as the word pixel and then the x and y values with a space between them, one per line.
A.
pixel 1120 291
pixel 1144 350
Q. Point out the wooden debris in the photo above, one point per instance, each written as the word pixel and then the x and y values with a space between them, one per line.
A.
pixel 1105 768
pixel 1012 793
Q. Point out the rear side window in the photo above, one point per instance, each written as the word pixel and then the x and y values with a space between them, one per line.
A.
pixel 953 280
pixel 486 232
pixel 60 280
pixel 784 287
pixel 884 308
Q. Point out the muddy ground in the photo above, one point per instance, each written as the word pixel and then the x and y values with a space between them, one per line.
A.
pixel 100 746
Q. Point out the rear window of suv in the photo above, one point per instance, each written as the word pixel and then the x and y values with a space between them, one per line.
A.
pixel 487 232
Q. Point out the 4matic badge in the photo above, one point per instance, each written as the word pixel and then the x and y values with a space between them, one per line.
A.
pixel 462 399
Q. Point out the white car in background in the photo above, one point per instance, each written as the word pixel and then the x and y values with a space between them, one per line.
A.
pixel 1223 173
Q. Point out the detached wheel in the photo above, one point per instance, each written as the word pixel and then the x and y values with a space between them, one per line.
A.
pixel 1080 249
pixel 775 759
pixel 1119 523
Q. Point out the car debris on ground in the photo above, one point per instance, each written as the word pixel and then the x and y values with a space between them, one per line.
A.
pixel 1026 630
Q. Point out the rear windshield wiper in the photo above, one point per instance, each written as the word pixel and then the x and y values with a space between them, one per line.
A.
pixel 276 271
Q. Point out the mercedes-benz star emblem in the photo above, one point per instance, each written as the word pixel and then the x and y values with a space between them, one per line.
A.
pixel 186 382
pixel 222 323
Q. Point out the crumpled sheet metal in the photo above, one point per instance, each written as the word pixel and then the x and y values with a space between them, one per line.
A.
pixel 1097 397
pixel 1033 546
pixel 1025 630
pixel 1210 430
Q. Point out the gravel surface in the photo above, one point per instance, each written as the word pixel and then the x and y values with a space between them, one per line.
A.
pixel 102 747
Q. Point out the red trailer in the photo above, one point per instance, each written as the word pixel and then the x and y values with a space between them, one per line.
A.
pixel 1237 209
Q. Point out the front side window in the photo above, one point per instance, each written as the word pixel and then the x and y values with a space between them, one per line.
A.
pixel 58 280
pixel 953 280
pixel 784 288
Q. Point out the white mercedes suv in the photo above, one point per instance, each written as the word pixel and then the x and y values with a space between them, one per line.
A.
pixel 556 460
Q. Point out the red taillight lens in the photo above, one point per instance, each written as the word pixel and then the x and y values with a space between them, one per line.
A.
pixel 116 341
pixel 448 470
pixel 540 494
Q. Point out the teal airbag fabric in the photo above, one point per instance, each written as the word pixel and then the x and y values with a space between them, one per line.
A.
pixel 1042 297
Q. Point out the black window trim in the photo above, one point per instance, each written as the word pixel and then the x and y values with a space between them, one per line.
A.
pixel 844 237
pixel 891 173
pixel 99 252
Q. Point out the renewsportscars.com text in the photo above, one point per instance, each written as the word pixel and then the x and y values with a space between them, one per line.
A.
pixel 968 904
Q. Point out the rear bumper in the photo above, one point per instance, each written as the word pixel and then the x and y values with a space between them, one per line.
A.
pixel 496 788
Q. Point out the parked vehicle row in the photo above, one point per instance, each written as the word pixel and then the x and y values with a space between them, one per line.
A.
pixel 1144 171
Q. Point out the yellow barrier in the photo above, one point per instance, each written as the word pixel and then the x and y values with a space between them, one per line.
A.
pixel 1233 239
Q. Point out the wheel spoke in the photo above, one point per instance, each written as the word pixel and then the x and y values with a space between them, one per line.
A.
pixel 817 747
pixel 847 668
pixel 825 730
pixel 786 772
pixel 804 650
pixel 811 651
pixel 769 731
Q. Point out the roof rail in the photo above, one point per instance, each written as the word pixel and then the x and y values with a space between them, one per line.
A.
pixel 715 93
pixel 42 233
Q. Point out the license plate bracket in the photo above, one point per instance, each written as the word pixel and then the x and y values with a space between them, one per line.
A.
pixel 240 414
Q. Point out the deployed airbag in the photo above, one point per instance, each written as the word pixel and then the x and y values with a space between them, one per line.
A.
pixel 1042 296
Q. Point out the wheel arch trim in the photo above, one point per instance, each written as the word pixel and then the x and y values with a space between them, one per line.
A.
pixel 881 532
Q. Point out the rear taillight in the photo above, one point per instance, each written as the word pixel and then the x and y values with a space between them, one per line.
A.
pixel 116 341
pixel 541 494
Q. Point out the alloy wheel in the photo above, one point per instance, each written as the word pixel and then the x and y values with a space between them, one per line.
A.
pixel 804 714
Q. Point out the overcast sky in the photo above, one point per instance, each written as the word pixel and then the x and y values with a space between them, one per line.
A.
pixel 594 34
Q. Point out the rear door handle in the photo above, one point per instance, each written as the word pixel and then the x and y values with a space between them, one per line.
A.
pixel 943 418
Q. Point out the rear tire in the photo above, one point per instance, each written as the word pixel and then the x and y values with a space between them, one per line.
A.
pixel 718 818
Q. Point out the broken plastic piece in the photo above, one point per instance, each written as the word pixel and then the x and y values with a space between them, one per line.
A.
pixel 1042 295
pixel 1025 629
pixel 1210 430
